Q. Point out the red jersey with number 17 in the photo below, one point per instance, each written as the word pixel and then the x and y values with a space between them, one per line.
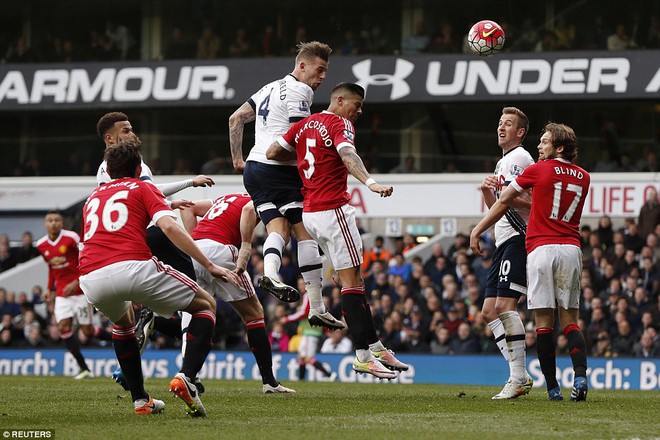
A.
pixel 559 189
pixel 115 219
pixel 222 223
pixel 317 140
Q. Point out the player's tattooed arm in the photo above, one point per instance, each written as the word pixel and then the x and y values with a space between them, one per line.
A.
pixel 243 115
pixel 355 166
pixel 354 163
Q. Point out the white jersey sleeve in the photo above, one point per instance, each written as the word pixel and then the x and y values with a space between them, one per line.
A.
pixel 510 166
pixel 103 177
pixel 277 105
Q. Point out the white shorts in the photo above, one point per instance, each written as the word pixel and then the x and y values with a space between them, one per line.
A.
pixel 553 277
pixel 308 346
pixel 336 232
pixel 75 306
pixel 152 283
pixel 224 256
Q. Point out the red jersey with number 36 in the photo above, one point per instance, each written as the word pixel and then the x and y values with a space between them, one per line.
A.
pixel 559 189
pixel 115 219
pixel 317 140
pixel 222 223
pixel 61 255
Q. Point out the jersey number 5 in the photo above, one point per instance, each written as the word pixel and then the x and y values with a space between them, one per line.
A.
pixel 556 201
pixel 309 157
pixel 112 205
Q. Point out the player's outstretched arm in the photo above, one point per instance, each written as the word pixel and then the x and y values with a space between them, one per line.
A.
pixel 278 152
pixel 499 208
pixel 237 121
pixel 190 213
pixel 248 223
pixel 184 241
pixel 174 187
pixel 355 166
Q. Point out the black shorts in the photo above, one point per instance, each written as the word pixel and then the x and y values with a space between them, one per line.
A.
pixel 508 274
pixel 163 249
pixel 275 191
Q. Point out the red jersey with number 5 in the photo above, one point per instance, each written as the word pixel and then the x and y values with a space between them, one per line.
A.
pixel 222 223
pixel 61 255
pixel 559 189
pixel 317 140
pixel 115 219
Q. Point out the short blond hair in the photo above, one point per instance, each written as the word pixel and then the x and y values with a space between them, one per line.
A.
pixel 311 50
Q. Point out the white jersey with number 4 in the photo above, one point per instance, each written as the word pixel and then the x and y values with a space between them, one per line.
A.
pixel 276 106
pixel 510 166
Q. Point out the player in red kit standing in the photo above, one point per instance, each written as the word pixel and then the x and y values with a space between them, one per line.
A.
pixel 324 144
pixel 117 268
pixel 59 248
pixel 224 235
pixel 554 259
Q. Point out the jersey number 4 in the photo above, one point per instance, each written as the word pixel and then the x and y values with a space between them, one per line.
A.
pixel 556 201
pixel 112 206
pixel 263 108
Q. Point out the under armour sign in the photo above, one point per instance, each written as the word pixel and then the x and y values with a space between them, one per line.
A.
pixel 400 87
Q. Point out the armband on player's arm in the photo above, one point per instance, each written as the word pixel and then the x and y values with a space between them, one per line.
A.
pixel 370 181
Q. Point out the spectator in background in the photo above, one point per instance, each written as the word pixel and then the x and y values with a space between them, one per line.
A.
pixel 565 34
pixel 408 166
pixel 445 41
pixel 632 239
pixel 215 165
pixel 465 342
pixel 653 34
pixel 649 213
pixel 299 37
pixel 606 164
pixel 417 42
pixel 376 43
pixel 179 47
pixel 337 342
pixel 400 267
pixel 645 348
pixel 648 163
pixel 21 52
pixel 596 34
pixel 620 40
pixel 270 43
pixel 624 340
pixel 279 339
pixel 120 38
pixel 441 343
pixel 208 44
pixel 350 46
pixel 240 46
pixel 626 165
pixel 7 258
pixel 528 37
pixel 548 43
pixel 603 346
pixel 377 253
pixel 605 232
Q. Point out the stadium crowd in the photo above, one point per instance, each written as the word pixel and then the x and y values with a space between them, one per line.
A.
pixel 422 306
pixel 211 38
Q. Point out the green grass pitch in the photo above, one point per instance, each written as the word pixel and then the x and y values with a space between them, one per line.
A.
pixel 98 409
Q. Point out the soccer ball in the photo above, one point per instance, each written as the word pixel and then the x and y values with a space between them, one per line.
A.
pixel 486 38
